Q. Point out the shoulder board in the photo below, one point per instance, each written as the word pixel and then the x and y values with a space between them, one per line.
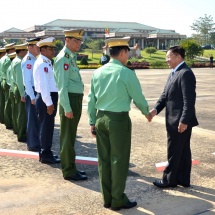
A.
pixel 66 55
pixel 29 58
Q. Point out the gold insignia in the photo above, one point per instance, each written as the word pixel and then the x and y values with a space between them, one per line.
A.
pixel 66 55
pixel 44 61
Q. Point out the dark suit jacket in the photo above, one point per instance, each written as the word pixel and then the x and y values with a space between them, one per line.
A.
pixel 179 98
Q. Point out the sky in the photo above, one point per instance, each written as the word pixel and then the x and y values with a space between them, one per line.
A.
pixel 162 14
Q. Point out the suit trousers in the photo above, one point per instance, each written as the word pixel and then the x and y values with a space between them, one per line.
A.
pixel 46 124
pixel 2 103
pixel 179 165
pixel 68 130
pixel 32 129
pixel 7 107
pixel 113 136
pixel 21 115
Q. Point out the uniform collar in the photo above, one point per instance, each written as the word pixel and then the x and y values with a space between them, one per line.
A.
pixel 113 60
pixel 29 54
pixel 73 55
pixel 45 58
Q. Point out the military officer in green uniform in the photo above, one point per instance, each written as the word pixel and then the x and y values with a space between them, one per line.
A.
pixel 71 87
pixel 2 54
pixel 21 51
pixel 5 63
pixel 11 100
pixel 113 86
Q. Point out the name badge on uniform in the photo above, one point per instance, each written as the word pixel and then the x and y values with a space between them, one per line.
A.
pixel 46 69
pixel 66 66
pixel 72 63
pixel 28 66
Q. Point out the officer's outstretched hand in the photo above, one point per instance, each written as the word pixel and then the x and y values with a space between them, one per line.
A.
pixel 50 109
pixel 69 115
pixel 149 117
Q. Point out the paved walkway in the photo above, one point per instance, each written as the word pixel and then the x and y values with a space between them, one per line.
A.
pixel 29 187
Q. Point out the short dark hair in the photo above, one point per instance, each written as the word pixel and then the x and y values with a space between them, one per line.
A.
pixel 178 50
pixel 114 51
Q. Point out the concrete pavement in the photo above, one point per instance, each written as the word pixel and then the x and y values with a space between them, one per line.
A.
pixel 29 187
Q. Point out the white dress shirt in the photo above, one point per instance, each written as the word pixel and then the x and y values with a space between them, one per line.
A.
pixel 44 79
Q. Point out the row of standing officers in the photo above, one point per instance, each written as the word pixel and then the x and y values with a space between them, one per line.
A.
pixel 29 96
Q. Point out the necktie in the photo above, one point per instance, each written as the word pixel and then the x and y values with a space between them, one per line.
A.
pixel 172 73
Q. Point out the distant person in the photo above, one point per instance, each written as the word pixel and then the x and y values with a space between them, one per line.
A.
pixel 104 59
pixel 211 61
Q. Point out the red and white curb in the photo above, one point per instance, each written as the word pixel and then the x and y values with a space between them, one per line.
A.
pixel 35 155
pixel 161 166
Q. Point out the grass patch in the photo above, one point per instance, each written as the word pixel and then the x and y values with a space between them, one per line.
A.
pixel 158 56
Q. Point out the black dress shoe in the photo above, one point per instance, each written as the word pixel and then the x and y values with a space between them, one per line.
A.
pixel 22 140
pixel 82 172
pixel 107 205
pixel 76 177
pixel 160 184
pixel 33 149
pixel 126 206
pixel 50 160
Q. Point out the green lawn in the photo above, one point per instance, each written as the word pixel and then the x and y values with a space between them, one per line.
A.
pixel 158 56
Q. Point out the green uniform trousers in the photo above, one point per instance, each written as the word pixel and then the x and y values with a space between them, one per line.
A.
pixel 7 107
pixel 113 136
pixel 2 103
pixel 21 116
pixel 68 130
pixel 14 111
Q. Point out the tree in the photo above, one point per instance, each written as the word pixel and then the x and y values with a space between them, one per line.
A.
pixel 212 38
pixel 59 44
pixel 204 26
pixel 150 50
pixel 192 48
pixel 94 45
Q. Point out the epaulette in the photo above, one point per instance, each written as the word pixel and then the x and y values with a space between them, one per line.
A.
pixel 29 58
pixel 66 55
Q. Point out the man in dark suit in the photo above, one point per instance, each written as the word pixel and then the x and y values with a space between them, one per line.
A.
pixel 179 98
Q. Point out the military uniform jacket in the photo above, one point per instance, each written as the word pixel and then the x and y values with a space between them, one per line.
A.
pixel 67 77
pixel 113 86
pixel 5 63
pixel 44 79
pixel 16 73
pixel 27 74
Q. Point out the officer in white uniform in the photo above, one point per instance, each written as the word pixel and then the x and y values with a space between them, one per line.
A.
pixel 33 143
pixel 46 98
